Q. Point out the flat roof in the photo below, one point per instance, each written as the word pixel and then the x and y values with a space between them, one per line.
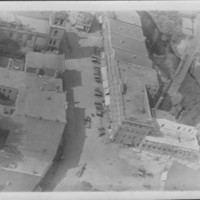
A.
pixel 45 60
pixel 11 181
pixel 31 144
pixel 178 134
pixel 134 58
pixel 130 45
pixel 45 104
pixel 134 97
pixel 181 177
pixel 126 29
pixel 129 16
pixel 37 96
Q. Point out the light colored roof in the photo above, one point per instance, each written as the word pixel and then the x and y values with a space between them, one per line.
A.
pixel 31 144
pixel 187 26
pixel 11 181
pixel 135 80
pixel 177 134
pixel 37 97
pixel 126 29
pixel 133 58
pixel 181 177
pixel 46 104
pixel 46 60
pixel 128 44
pixel 35 25
pixel 129 16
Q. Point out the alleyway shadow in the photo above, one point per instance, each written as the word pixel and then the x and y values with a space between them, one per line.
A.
pixel 73 138
pixel 71 48
pixel 71 79
pixel 95 26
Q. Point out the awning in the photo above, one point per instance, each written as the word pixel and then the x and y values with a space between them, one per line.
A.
pixel 107 100
pixel 105 87
pixel 104 73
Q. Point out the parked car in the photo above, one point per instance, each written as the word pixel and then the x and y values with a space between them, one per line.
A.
pixel 95 60
pixel 99 113
pixel 97 89
pixel 98 103
pixel 101 131
pixel 98 92
pixel 95 56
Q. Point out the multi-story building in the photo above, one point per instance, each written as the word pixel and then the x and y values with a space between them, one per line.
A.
pixel 84 21
pixel 32 122
pixel 178 141
pixel 129 71
pixel 34 33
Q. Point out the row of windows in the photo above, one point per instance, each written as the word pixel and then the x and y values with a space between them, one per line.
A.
pixel 52 41
pixel 20 35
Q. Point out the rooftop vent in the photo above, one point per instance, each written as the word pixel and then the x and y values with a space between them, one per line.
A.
pixel 122 41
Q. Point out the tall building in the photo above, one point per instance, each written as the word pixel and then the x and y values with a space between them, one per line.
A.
pixel 57 25
pixel 129 71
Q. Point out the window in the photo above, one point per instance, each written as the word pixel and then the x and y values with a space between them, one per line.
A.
pixel 55 33
pixel 29 37
pixel 10 35
pixel 13 26
pixel 50 41
pixel 20 36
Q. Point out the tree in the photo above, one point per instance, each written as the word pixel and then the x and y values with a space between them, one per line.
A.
pixel 169 23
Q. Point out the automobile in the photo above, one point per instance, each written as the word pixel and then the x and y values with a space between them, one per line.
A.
pixel 98 79
pixel 95 56
pixel 97 76
pixel 98 92
pixel 95 61
pixel 99 113
pixel 97 70
pixel 97 73
pixel 98 95
pixel 97 89
pixel 101 131
pixel 98 103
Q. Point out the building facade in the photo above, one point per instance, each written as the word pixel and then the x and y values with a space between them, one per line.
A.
pixel 125 55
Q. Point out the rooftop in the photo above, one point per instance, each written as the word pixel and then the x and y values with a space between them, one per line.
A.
pixel 45 60
pixel 129 16
pixel 38 96
pixel 181 177
pixel 31 144
pixel 129 43
pixel 187 26
pixel 178 134
pixel 134 97
pixel 126 29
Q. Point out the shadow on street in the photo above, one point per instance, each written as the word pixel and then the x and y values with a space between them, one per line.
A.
pixel 71 48
pixel 73 138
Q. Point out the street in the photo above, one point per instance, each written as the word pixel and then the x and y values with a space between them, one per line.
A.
pixel 107 166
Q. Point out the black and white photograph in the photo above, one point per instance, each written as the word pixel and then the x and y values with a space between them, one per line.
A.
pixel 99 98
